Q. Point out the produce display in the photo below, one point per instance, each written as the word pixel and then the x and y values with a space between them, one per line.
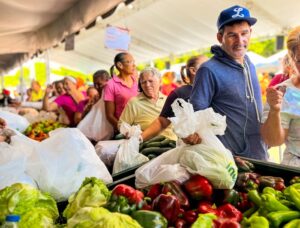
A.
pixel 39 130
pixel 256 201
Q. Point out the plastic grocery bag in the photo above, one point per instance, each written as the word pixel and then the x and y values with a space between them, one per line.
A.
pixel 61 162
pixel 211 163
pixel 107 151
pixel 128 154
pixel 163 168
pixel 13 159
pixel 95 125
pixel 290 102
pixel 210 158
pixel 14 121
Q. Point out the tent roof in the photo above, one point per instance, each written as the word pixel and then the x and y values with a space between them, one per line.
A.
pixel 158 28
pixel 27 27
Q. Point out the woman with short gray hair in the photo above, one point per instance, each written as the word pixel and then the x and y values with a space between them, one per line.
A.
pixel 146 107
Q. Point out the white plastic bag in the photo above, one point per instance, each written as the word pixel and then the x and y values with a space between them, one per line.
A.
pixel 60 163
pixel 128 154
pixel 13 159
pixel 163 168
pixel 290 101
pixel 107 151
pixel 95 125
pixel 209 159
pixel 14 121
pixel 215 165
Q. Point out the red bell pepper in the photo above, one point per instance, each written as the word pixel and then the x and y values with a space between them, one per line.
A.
pixel 190 216
pixel 244 203
pixel 154 191
pixel 269 181
pixel 168 205
pixel 174 188
pixel 134 196
pixel 207 207
pixel 180 223
pixel 230 212
pixel 198 187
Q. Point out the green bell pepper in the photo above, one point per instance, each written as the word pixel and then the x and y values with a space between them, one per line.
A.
pixel 120 204
pixel 254 197
pixel 255 222
pixel 293 224
pixel 270 203
pixel 270 190
pixel 276 218
pixel 150 219
pixel 250 212
pixel 204 221
pixel 295 196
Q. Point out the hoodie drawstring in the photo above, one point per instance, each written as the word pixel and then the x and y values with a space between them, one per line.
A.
pixel 250 89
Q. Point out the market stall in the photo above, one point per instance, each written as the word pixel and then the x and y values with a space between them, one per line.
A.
pixel 180 187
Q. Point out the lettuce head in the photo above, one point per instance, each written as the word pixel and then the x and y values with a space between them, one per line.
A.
pixel 92 193
pixel 98 217
pixel 22 198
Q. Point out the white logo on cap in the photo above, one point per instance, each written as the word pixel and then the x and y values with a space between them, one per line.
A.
pixel 237 10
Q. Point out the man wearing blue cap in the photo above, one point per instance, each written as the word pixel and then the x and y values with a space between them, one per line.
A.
pixel 228 83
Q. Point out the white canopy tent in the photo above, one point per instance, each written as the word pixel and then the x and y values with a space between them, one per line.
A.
pixel 162 28
pixel 158 27
pixel 31 26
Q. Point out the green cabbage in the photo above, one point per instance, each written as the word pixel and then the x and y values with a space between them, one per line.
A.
pixel 23 198
pixel 98 217
pixel 92 193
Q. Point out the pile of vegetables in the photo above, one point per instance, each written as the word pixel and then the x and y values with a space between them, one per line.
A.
pixel 156 146
pixel 39 130
pixel 256 201
pixel 153 147
pixel 86 206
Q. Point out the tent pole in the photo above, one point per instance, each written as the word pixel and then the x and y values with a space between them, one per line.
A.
pixel 2 82
pixel 22 82
pixel 48 79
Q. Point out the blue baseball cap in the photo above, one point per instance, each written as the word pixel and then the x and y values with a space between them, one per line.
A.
pixel 235 13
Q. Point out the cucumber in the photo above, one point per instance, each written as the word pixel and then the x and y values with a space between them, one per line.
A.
pixel 119 136
pixel 141 146
pixel 167 142
pixel 158 138
pixel 151 156
pixel 172 144
pixel 153 144
pixel 155 150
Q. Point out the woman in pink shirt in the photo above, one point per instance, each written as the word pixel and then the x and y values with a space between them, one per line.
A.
pixel 68 101
pixel 120 88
